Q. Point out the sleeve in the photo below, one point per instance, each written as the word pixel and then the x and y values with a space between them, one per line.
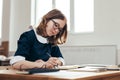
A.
pixel 62 60
pixel 24 45
pixel 16 59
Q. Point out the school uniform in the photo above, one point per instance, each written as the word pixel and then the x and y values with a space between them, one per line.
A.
pixel 32 47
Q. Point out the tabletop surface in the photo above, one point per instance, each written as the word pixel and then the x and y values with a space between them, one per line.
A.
pixel 60 75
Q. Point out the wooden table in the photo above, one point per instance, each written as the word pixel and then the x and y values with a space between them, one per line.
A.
pixel 9 74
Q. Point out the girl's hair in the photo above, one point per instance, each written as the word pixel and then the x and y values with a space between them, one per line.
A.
pixel 60 38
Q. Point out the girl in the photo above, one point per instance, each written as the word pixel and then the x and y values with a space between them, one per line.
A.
pixel 38 48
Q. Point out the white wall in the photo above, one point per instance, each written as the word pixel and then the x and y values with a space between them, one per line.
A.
pixel 19 20
pixel 6 20
pixel 107 24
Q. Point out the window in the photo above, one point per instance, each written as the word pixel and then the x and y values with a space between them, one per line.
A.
pixel 84 15
pixel 65 8
pixel 1 2
pixel 79 13
pixel 42 7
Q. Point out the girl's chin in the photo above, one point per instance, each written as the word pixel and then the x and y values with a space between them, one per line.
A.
pixel 49 35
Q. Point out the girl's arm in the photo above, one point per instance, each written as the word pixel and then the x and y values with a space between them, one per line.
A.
pixel 24 64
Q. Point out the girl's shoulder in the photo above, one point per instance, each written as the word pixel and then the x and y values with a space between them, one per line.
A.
pixel 30 35
pixel 30 32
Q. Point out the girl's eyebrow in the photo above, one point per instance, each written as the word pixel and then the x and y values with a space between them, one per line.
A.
pixel 55 22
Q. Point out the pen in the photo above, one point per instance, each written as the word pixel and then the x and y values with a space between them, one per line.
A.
pixel 49 54
pixel 55 66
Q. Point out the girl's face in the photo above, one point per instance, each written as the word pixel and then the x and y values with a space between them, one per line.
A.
pixel 54 26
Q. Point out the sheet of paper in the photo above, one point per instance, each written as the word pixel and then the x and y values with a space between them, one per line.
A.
pixel 68 74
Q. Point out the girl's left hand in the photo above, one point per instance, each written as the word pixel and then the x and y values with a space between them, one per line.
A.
pixel 53 62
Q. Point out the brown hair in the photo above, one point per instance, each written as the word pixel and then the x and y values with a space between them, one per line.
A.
pixel 60 38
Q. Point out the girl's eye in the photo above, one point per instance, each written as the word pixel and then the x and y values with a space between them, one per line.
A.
pixel 56 25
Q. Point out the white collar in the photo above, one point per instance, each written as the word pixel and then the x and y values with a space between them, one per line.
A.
pixel 40 38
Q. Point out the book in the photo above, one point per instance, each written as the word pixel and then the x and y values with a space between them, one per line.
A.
pixel 90 69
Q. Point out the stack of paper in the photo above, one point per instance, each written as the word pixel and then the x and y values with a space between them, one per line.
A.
pixel 113 68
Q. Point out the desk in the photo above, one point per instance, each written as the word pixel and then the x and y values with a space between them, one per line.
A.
pixel 68 75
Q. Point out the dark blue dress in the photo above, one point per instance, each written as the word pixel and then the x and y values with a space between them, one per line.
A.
pixel 30 48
